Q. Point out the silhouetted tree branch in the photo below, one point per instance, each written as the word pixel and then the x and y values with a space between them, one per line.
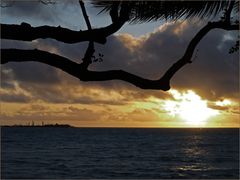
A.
pixel 77 70
pixel 229 11
pixel 81 3
pixel 225 25
pixel 87 60
pixel 25 32
pixel 90 50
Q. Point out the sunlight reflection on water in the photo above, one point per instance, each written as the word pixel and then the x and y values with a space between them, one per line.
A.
pixel 198 167
pixel 194 151
pixel 194 146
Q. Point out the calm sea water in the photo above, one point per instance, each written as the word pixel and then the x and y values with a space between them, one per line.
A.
pixel 57 153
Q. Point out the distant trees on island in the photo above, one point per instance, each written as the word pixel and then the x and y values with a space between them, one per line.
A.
pixel 43 125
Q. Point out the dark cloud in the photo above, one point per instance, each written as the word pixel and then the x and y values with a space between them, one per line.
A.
pixel 33 9
pixel 74 52
pixel 5 44
pixel 7 78
pixel 162 48
pixel 214 73
pixel 116 56
pixel 32 72
pixel 7 85
pixel 15 98
pixel 37 13
pixel 28 71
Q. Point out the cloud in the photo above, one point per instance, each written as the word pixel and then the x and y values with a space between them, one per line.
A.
pixel 37 13
pixel 32 72
pixel 16 98
pixel 65 13
pixel 81 114
pixel 214 70
pixel 12 92
pixel 43 112
pixel 213 74
pixel 221 108
pixel 26 9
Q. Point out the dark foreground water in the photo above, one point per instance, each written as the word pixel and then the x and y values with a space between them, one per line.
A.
pixel 57 153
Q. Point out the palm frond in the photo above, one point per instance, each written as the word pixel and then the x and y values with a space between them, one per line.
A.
pixel 144 11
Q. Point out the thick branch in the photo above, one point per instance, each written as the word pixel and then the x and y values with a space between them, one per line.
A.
pixel 26 32
pixel 186 58
pixel 75 69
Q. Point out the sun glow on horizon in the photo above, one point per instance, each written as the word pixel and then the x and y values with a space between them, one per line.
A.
pixel 190 107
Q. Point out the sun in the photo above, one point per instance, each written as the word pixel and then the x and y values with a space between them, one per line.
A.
pixel 189 107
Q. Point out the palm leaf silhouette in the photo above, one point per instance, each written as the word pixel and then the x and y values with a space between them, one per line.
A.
pixel 144 11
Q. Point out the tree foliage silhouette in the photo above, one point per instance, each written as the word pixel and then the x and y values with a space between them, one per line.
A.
pixel 120 12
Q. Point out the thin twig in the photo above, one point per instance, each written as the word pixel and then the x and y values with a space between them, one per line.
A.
pixel 85 15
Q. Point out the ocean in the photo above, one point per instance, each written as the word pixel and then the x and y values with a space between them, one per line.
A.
pixel 119 153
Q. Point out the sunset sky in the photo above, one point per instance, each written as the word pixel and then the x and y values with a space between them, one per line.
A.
pixel 204 93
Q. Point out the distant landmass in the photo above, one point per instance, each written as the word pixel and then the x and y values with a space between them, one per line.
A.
pixel 44 125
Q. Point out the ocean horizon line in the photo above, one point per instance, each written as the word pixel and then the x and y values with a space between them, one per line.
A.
pixel 112 127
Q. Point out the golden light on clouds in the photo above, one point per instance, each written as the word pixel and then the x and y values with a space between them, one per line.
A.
pixel 190 107
pixel 130 41
pixel 225 102
pixel 175 109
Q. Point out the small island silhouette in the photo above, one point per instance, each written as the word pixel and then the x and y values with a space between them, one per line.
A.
pixel 43 125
